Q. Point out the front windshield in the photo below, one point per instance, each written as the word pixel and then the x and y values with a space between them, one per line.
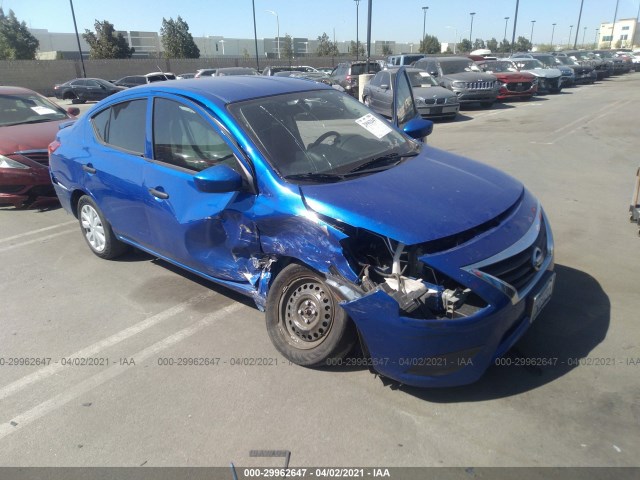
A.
pixel 528 64
pixel 547 60
pixel 496 67
pixel 17 109
pixel 318 133
pixel 565 61
pixel 458 66
pixel 421 79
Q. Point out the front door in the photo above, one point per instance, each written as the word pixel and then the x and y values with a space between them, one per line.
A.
pixel 211 233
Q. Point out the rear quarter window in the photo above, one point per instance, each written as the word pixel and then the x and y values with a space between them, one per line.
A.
pixel 123 125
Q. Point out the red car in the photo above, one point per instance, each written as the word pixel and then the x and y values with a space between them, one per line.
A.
pixel 514 84
pixel 28 124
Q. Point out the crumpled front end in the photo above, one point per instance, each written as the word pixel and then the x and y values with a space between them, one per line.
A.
pixel 439 313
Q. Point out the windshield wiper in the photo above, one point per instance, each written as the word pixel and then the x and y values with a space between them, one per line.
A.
pixel 383 160
pixel 322 177
pixel 39 120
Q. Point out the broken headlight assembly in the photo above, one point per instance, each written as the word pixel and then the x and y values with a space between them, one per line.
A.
pixel 396 269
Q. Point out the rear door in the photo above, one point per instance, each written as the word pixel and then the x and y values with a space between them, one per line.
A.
pixel 113 167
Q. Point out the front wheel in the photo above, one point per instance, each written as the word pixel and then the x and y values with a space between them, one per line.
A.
pixel 304 320
pixel 97 231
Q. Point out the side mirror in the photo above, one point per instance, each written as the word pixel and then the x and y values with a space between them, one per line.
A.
pixel 418 128
pixel 73 111
pixel 433 73
pixel 218 179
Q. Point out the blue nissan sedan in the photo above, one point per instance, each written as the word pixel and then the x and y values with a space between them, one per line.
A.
pixel 339 225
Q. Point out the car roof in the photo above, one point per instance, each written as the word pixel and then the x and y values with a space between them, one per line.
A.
pixel 229 89
pixel 450 59
pixel 15 91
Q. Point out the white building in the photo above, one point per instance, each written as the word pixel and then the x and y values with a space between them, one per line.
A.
pixel 624 31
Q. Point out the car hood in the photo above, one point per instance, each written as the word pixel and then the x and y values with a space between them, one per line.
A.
pixel 470 77
pixel 33 136
pixel 512 77
pixel 428 197
pixel 432 92
pixel 545 72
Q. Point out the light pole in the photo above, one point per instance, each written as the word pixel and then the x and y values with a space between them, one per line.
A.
pixel 357 32
pixel 569 42
pixel 615 17
pixel 278 25
pixel 471 29
pixel 84 73
pixel 595 39
pixel 575 42
pixel 222 42
pixel 531 36
pixel 553 30
pixel 424 23
pixel 411 47
pixel 255 32
pixel 583 34
pixel 506 21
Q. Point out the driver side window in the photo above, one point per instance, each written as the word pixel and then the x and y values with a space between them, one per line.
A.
pixel 181 137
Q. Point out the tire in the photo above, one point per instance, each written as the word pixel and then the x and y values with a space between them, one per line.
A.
pixel 97 232
pixel 367 101
pixel 304 320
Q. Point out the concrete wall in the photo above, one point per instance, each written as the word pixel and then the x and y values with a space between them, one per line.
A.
pixel 42 75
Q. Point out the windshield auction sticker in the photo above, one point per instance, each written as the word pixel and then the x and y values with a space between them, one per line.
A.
pixel 373 125
pixel 43 110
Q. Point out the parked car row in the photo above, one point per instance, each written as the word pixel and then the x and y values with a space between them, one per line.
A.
pixel 484 79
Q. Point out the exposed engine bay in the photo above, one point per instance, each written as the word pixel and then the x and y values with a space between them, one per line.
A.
pixel 396 269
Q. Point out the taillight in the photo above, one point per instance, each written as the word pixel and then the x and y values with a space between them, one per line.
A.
pixel 53 146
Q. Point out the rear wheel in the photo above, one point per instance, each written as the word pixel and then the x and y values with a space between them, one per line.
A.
pixel 97 231
pixel 304 320
pixel 367 101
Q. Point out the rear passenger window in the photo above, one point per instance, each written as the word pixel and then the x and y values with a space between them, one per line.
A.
pixel 123 125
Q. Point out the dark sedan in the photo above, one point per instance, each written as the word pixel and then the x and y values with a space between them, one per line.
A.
pixel 81 90
pixel 28 123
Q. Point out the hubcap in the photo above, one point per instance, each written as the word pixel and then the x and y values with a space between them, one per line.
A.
pixel 307 311
pixel 93 228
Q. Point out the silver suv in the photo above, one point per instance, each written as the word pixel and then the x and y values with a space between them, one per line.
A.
pixel 463 77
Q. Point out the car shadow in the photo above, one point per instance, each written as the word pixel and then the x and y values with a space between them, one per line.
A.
pixel 475 107
pixel 574 322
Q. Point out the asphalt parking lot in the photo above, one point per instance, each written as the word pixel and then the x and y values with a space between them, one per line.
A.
pixel 567 395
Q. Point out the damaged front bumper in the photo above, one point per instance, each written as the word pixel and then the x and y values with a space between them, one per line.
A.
pixel 443 353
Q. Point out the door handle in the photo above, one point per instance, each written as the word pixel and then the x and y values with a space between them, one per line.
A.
pixel 158 194
pixel 89 168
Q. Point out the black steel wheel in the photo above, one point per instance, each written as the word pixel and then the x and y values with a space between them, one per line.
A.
pixel 304 320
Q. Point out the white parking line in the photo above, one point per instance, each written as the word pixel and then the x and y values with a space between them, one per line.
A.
pixel 35 240
pixel 97 347
pixel 25 418
pixel 33 232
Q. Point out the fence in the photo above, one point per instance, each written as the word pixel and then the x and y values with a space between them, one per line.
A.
pixel 42 75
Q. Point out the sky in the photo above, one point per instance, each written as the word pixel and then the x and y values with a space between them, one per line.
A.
pixel 392 20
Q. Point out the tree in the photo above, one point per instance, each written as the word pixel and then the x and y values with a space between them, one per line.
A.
pixel 359 51
pixel 545 47
pixel 478 44
pixel 386 50
pixel 176 39
pixel 522 45
pixel 245 54
pixel 105 43
pixel 430 44
pixel 492 45
pixel 465 45
pixel 326 48
pixel 16 41
pixel 287 47
pixel 505 46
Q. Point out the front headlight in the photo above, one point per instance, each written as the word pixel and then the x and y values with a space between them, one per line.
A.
pixel 420 100
pixel 8 163
pixel 458 84
pixel 451 100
